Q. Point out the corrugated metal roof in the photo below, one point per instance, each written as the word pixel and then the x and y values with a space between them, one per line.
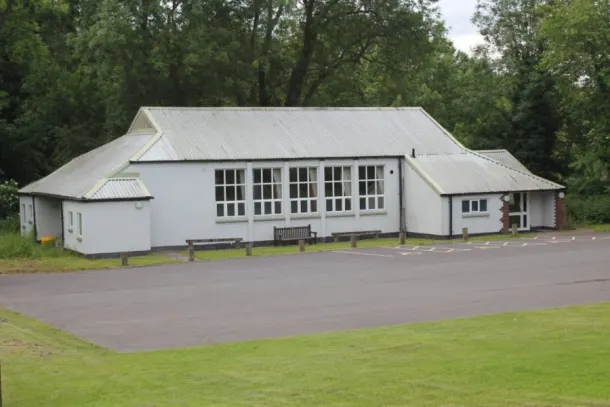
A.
pixel 289 133
pixel 81 174
pixel 468 172
pixel 119 188
pixel 504 157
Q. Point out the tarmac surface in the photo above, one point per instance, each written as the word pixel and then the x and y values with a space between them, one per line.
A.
pixel 261 297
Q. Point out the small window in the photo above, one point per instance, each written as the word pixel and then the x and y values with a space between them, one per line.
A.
pixel 267 191
pixel 230 191
pixel 30 212
pixel 465 206
pixel 303 192
pixel 71 218
pixel 22 213
pixel 371 187
pixel 79 218
pixel 338 189
pixel 474 206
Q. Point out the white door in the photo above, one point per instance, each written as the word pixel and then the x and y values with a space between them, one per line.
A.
pixel 519 210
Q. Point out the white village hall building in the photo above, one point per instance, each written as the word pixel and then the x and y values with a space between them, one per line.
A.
pixel 198 173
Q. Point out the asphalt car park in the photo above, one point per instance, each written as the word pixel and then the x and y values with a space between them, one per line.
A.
pixel 260 297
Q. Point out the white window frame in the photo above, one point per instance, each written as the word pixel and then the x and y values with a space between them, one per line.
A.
pixel 70 221
pixel 23 214
pixel 30 213
pixel 79 219
pixel 306 177
pixel 267 191
pixel 371 188
pixel 338 188
pixel 230 196
pixel 477 203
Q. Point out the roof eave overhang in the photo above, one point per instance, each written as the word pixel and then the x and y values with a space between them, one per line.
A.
pixel 84 200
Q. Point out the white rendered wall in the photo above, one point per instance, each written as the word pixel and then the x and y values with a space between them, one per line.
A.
pixel 184 205
pixel 488 222
pixel 26 214
pixel 424 212
pixel 107 227
pixel 548 211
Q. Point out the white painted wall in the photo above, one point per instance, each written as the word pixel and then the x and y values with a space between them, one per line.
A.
pixel 107 227
pixel 424 207
pixel 184 205
pixel 48 217
pixel 26 214
pixel 548 216
pixel 489 222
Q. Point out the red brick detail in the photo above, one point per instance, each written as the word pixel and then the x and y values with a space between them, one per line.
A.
pixel 505 216
pixel 561 220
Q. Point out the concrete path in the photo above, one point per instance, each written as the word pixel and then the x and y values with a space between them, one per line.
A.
pixel 233 300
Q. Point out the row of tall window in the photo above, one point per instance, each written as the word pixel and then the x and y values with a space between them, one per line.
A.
pixel 267 191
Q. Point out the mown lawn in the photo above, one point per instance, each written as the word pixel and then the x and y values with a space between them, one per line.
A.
pixel 547 358
pixel 74 263
pixel 294 248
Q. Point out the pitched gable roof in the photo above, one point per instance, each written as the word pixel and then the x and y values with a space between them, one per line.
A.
pixel 504 157
pixel 291 133
pixel 76 178
pixel 470 173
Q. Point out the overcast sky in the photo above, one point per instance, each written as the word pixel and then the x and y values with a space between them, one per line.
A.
pixel 457 14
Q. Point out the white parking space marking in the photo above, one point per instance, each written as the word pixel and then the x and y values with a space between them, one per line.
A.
pixel 362 253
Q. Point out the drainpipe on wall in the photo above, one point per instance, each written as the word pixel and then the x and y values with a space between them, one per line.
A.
pixel 61 208
pixel 400 196
pixel 450 216
pixel 34 219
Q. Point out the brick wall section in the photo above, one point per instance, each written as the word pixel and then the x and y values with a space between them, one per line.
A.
pixel 505 216
pixel 561 219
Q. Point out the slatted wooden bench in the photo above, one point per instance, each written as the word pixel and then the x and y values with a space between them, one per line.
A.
pixel 192 242
pixel 294 233
pixel 374 233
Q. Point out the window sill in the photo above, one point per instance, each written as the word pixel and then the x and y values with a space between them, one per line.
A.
pixel 340 214
pixel 262 218
pixel 304 216
pixel 232 219
pixel 476 215
pixel 79 238
pixel 70 230
pixel 373 213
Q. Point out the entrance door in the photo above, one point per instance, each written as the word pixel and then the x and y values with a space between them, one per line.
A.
pixel 519 210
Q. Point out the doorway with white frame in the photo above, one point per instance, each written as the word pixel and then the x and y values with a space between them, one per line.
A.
pixel 519 205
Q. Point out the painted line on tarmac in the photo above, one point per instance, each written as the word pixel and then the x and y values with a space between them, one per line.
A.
pixel 361 253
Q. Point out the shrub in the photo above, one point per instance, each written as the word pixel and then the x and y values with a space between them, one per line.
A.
pixel 592 209
pixel 9 225
pixel 9 199
pixel 15 246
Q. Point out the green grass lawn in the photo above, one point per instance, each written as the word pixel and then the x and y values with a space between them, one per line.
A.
pixel 547 358
pixel 600 227
pixel 293 248
pixel 74 263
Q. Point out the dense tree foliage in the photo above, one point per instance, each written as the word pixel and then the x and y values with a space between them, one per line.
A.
pixel 74 72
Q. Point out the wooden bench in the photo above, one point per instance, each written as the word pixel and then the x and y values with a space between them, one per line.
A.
pixel 374 233
pixel 191 243
pixel 294 233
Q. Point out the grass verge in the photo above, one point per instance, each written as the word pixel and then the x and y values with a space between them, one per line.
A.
pixel 320 247
pixel 600 227
pixel 553 358
pixel 75 263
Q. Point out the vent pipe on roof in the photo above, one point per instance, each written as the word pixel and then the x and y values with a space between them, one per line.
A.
pixel 413 153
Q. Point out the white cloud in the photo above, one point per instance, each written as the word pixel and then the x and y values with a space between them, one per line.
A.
pixel 457 15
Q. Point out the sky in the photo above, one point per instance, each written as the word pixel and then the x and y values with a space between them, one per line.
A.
pixel 457 15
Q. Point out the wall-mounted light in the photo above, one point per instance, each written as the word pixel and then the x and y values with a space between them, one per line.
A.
pixel 562 195
pixel 139 205
pixel 506 198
